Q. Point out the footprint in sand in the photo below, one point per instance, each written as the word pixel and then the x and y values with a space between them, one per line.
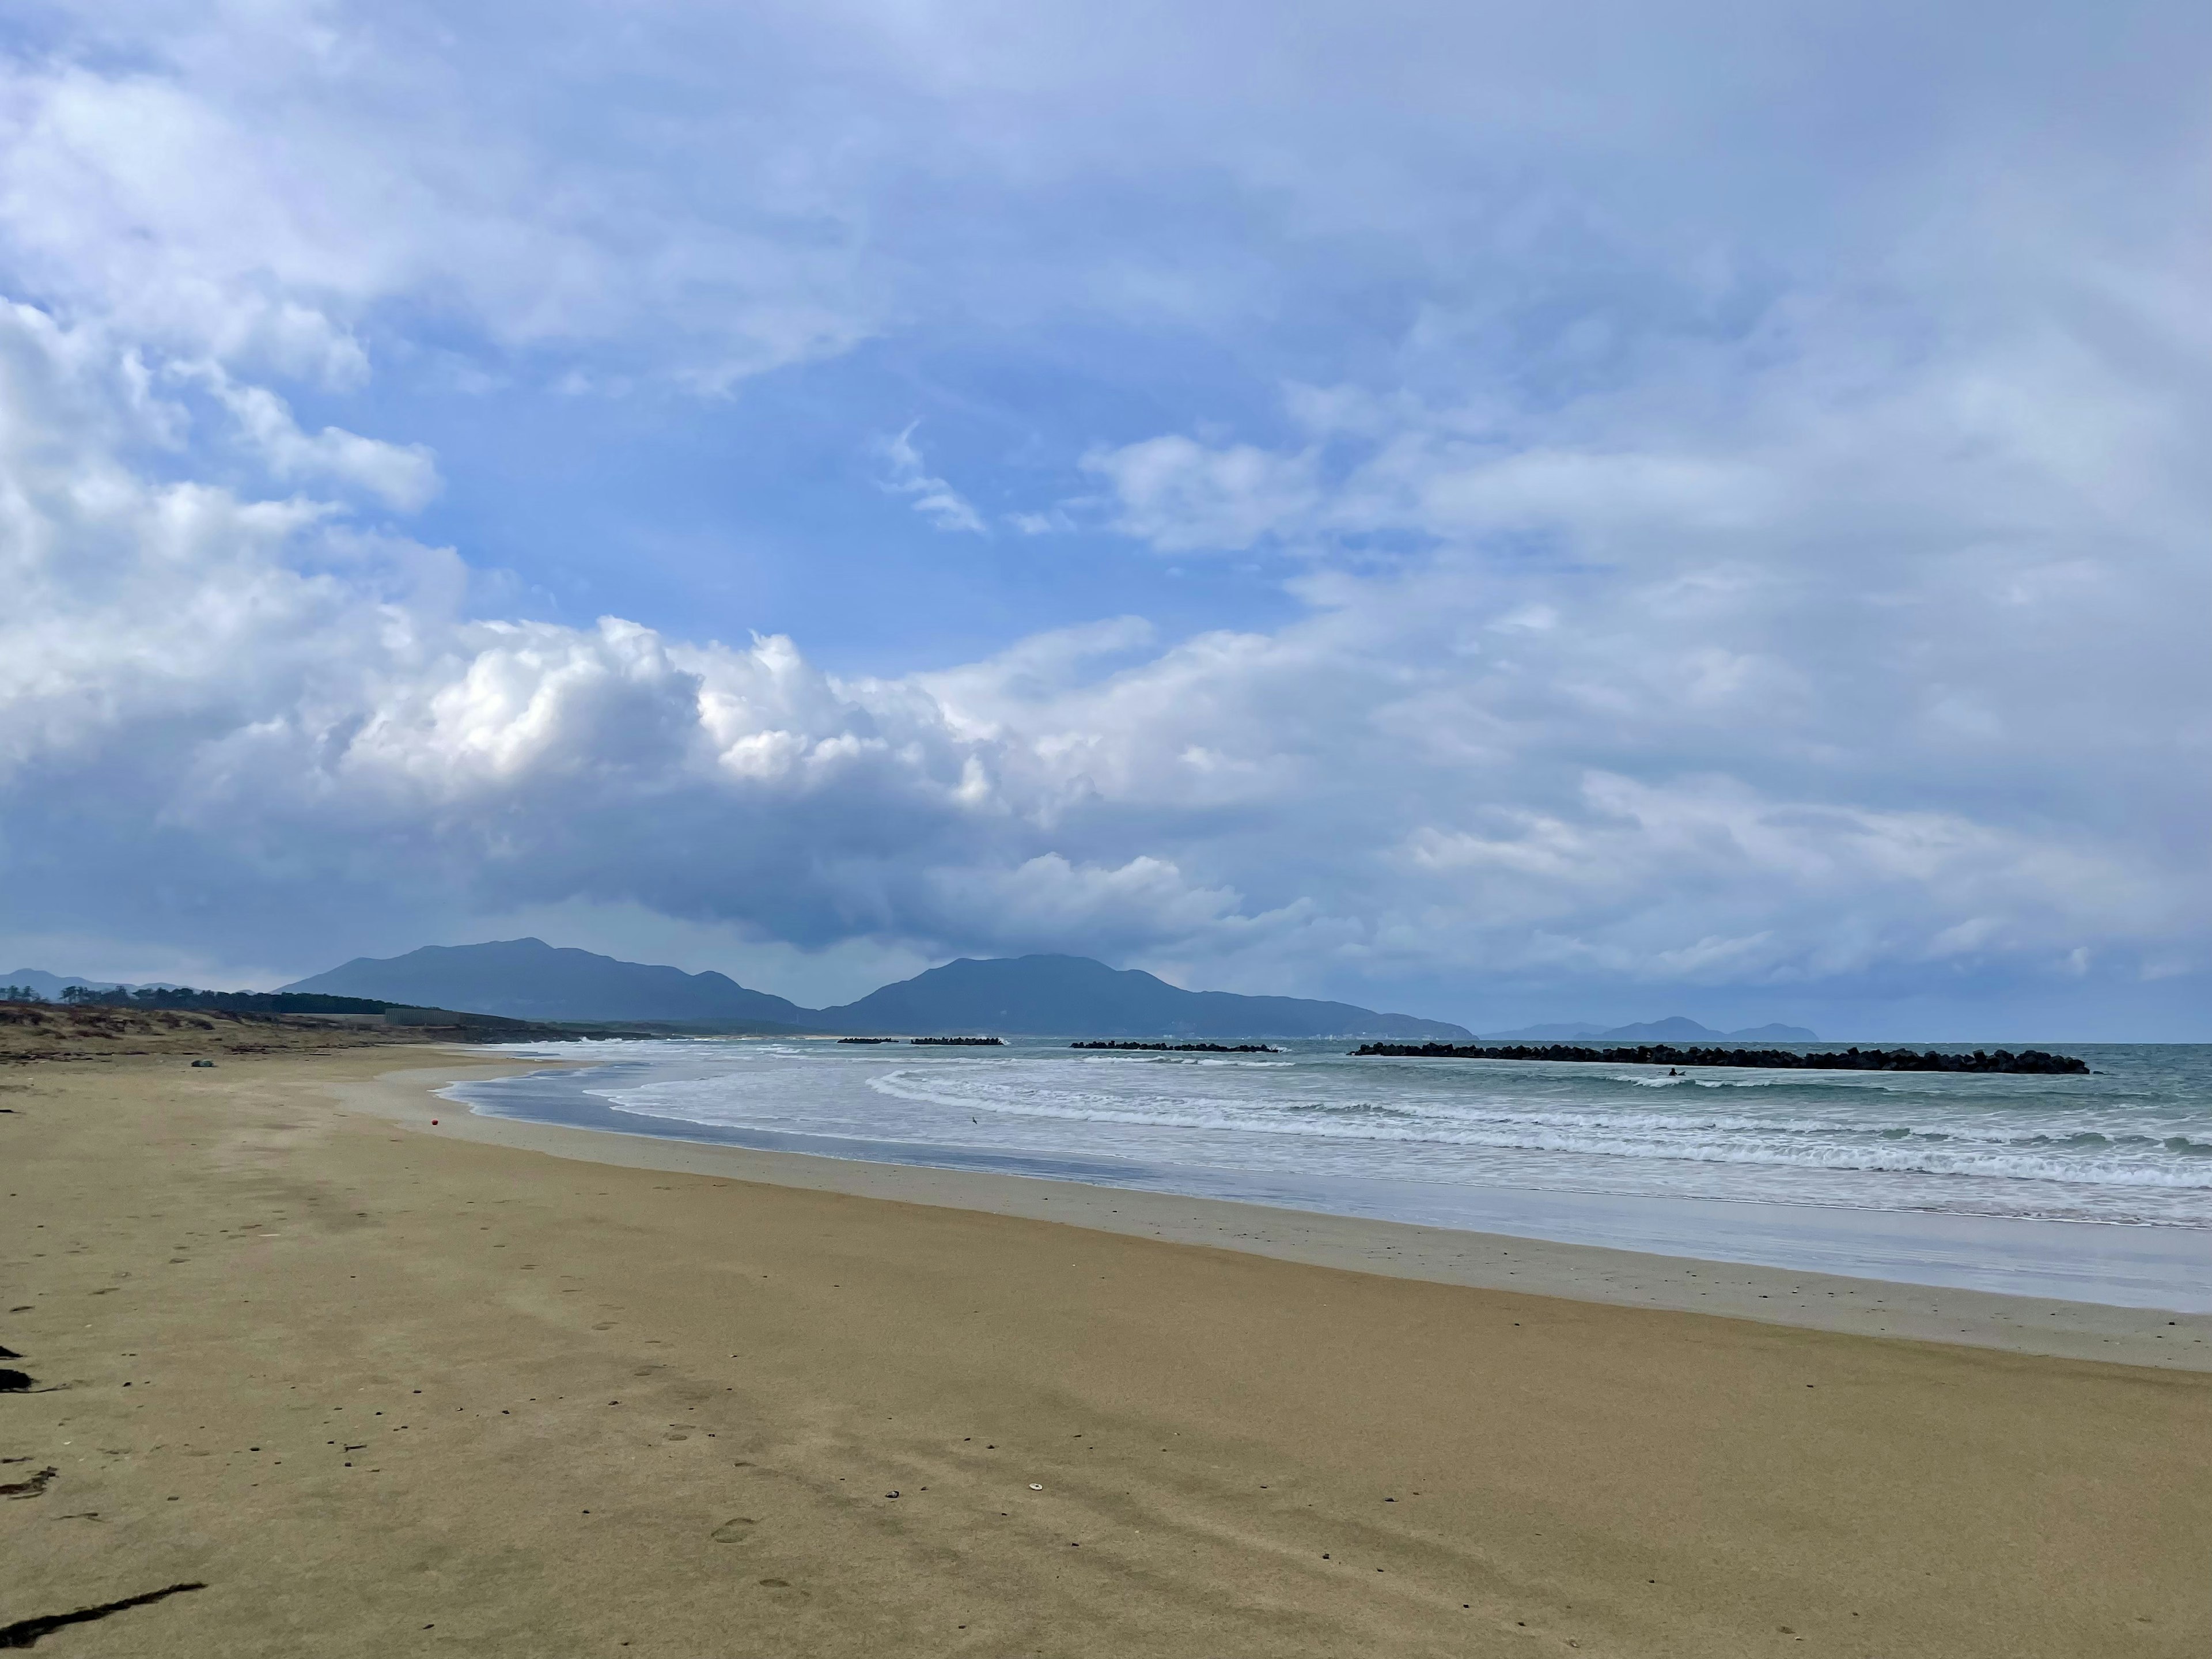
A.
pixel 735 1530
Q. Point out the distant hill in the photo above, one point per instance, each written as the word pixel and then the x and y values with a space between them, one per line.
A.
pixel 1676 1029
pixel 1074 996
pixel 51 986
pixel 529 979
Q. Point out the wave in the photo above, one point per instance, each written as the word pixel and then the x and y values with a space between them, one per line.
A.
pixel 1214 1061
pixel 2084 1158
pixel 1829 1082
pixel 1015 1095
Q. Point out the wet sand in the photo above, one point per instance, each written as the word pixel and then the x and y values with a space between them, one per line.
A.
pixel 386 1388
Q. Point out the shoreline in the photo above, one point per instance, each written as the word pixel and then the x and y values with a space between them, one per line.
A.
pixel 1845 1303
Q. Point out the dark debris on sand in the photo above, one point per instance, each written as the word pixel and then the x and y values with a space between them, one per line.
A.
pixel 24 1631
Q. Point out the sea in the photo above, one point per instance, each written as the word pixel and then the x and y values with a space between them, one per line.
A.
pixel 2094 1187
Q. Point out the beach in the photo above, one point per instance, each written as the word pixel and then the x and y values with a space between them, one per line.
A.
pixel 383 1387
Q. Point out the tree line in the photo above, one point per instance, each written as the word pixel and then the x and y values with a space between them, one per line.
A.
pixel 189 998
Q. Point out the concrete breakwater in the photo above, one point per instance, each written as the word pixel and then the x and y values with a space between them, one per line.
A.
pixel 2033 1061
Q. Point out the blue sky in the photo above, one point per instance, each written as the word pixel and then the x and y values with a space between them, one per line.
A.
pixel 1509 516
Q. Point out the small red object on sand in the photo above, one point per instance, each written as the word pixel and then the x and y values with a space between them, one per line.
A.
pixel 434 1122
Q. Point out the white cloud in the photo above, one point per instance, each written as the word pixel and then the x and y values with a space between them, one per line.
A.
pixel 142 186
pixel 283 706
pixel 1182 496
pixel 1134 906
pixel 1053 521
pixel 404 476
pixel 905 473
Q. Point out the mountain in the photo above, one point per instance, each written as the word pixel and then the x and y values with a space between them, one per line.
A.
pixel 529 979
pixel 1676 1029
pixel 51 986
pixel 1074 996
pixel 1679 1030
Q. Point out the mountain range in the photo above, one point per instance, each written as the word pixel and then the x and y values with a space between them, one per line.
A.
pixel 529 979
pixel 1037 996
pixel 1676 1029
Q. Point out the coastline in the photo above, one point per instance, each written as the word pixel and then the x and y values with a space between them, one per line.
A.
pixel 380 1388
pixel 1853 1305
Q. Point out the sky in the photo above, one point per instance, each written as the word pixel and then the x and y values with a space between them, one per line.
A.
pixel 1507 513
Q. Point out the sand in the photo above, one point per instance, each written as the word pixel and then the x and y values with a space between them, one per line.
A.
pixel 385 1389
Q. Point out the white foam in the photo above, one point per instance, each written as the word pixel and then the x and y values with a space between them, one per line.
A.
pixel 2136 1147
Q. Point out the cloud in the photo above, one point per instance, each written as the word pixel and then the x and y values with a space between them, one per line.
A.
pixel 404 477
pixel 142 187
pixel 1182 496
pixel 228 706
pixel 905 474
pixel 1736 488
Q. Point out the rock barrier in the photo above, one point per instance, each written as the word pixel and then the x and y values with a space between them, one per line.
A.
pixel 2034 1061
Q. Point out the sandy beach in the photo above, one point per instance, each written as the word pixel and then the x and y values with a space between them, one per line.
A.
pixel 381 1386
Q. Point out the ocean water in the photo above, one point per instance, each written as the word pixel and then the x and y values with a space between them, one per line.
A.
pixel 2071 1182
